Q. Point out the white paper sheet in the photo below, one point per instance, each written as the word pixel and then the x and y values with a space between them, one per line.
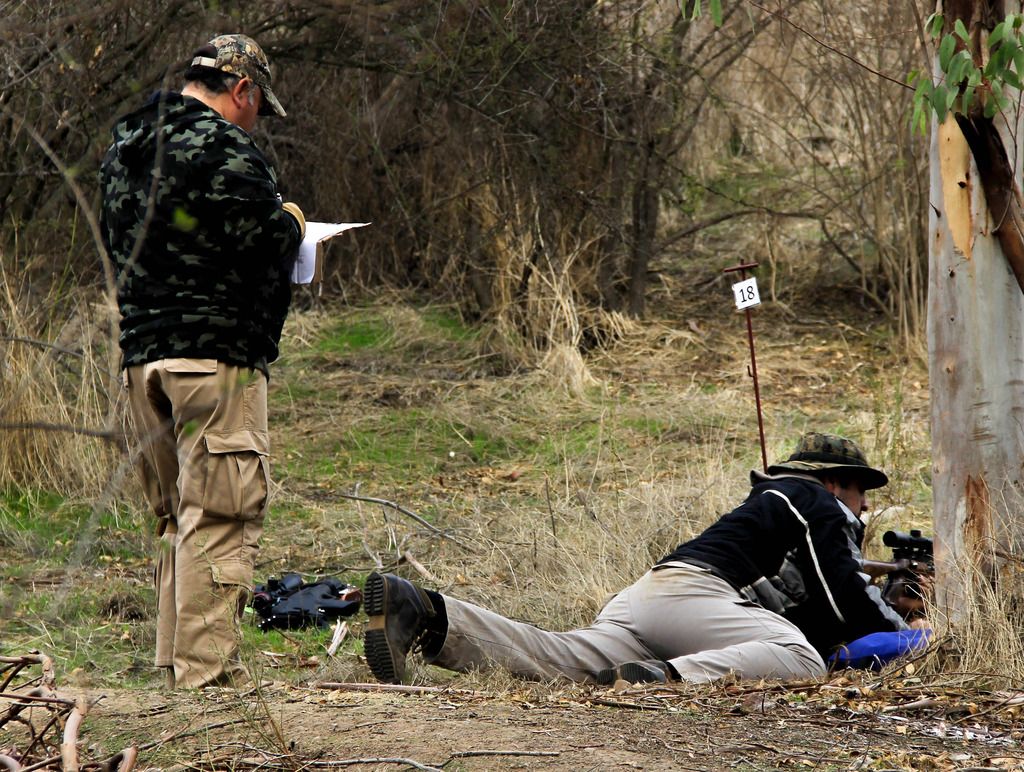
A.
pixel 305 265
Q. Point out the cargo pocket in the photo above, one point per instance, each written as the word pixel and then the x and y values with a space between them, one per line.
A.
pixel 237 476
pixel 233 573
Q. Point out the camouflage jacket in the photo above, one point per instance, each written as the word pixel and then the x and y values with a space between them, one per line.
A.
pixel 201 245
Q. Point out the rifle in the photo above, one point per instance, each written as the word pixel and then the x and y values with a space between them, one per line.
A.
pixel 912 561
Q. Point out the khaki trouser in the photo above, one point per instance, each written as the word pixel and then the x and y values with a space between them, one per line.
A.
pixel 203 429
pixel 678 613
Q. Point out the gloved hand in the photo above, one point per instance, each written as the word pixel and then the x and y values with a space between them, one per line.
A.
pixel 293 209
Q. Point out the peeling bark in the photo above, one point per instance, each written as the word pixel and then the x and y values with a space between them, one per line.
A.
pixel 954 167
pixel 978 525
pixel 1002 193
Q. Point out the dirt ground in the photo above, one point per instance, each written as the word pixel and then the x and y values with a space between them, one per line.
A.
pixel 893 723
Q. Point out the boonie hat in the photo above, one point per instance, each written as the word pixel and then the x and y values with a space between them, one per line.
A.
pixel 818 452
pixel 242 56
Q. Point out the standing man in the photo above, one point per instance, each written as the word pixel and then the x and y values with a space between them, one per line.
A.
pixel 717 605
pixel 203 248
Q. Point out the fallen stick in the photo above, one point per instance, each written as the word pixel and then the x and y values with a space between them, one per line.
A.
pixel 340 631
pixel 408 513
pixel 420 568
pixel 188 733
pixel 69 743
pixel 40 694
pixel 351 762
pixel 41 764
pixel 56 718
pixel 23 661
pixel 400 688
pixel 125 760
pixel 36 698
pixel 618 704
pixel 925 702
pixel 467 754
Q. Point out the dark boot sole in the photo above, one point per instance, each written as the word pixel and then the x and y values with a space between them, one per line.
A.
pixel 375 641
pixel 633 672
pixel 637 673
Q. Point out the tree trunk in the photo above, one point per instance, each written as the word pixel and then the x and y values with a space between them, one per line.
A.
pixel 646 209
pixel 976 358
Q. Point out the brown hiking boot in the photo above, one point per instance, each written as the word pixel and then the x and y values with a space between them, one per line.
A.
pixel 398 612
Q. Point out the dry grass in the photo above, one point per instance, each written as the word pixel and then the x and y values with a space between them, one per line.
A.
pixel 978 622
pixel 60 393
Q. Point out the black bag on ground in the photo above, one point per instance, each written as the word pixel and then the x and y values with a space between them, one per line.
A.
pixel 289 603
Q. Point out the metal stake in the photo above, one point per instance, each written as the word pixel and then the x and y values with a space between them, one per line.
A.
pixel 742 268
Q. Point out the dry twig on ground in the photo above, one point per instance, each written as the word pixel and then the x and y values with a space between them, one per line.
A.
pixel 50 721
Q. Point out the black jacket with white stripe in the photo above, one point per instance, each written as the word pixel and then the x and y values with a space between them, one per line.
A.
pixel 794 548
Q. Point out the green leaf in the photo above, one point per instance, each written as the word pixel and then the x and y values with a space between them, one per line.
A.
pixel 967 100
pixel 999 59
pixel 951 96
pixel 923 92
pixel 716 12
pixel 966 70
pixel 1018 61
pixel 934 24
pixel 696 11
pixel 961 30
pixel 920 121
pixel 1011 77
pixel 990 108
pixel 915 119
pixel 938 101
pixel 974 79
pixel 997 34
pixel 946 48
pixel 955 73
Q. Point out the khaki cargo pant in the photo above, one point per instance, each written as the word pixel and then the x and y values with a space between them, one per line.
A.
pixel 202 425
pixel 678 613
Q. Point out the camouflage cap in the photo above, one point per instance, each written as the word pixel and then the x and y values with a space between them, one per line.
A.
pixel 242 56
pixel 817 452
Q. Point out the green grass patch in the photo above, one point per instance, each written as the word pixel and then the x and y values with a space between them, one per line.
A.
pixel 411 441
pixel 102 629
pixel 42 524
pixel 416 443
pixel 299 388
pixel 449 324
pixel 653 427
pixel 37 523
pixel 576 442
pixel 355 335
pixel 406 443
